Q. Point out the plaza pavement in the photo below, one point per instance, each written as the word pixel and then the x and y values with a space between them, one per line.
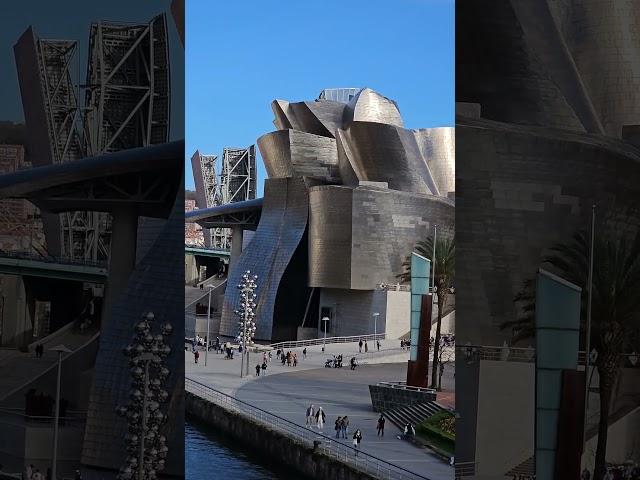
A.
pixel 288 391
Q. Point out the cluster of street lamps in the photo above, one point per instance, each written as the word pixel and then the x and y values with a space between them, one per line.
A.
pixel 246 313
pixel 146 446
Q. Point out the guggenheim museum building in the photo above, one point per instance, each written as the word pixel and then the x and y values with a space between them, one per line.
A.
pixel 349 193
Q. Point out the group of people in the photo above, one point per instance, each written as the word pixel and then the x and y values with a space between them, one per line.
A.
pixel 365 345
pixel 262 367
pixel 39 350
pixel 446 340
pixel 33 473
pixel 289 358
pixel 335 362
pixel 315 417
pixel 628 471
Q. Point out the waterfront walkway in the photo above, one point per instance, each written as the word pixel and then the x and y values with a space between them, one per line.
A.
pixel 288 391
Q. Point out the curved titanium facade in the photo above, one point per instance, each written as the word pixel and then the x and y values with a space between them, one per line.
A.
pixel 497 68
pixel 358 237
pixel 604 40
pixel 570 64
pixel 386 153
pixel 282 225
pixel 370 106
pixel 540 190
pixel 438 147
pixel 291 153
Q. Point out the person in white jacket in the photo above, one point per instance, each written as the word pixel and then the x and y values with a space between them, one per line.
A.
pixel 320 418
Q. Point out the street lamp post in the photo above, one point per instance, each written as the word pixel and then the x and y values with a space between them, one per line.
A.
pixel 433 258
pixel 324 340
pixel 375 325
pixel 588 332
pixel 206 349
pixel 60 349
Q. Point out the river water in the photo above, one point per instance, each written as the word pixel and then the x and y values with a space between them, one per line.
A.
pixel 208 456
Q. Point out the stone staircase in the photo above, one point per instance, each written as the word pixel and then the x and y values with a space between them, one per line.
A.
pixel 525 469
pixel 413 414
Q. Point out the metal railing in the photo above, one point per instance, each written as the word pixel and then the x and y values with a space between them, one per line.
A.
pixel 205 293
pixel 320 341
pixel 498 353
pixel 528 354
pixel 72 418
pixel 35 256
pixel 345 453
pixel 404 386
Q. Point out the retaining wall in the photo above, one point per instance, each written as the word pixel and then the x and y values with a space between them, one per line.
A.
pixel 272 444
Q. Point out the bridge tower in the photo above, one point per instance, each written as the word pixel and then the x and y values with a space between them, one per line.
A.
pixel 207 193
pixel 126 105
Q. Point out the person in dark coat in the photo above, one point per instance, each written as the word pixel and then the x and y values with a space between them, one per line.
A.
pixel 380 427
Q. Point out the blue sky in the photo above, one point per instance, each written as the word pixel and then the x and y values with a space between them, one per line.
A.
pixel 241 55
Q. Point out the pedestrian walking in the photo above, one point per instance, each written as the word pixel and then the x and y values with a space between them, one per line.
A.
pixel 283 358
pixel 378 344
pixel 380 428
pixel 338 427
pixel 366 347
pixel 289 358
pixel 264 356
pixel 295 359
pixel 360 346
pixel 345 426
pixel 320 418
pixel 310 416
pixel 196 355
pixel 278 354
pixel 304 353
pixel 258 370
pixel 264 368
pixel 357 438
pixel 269 355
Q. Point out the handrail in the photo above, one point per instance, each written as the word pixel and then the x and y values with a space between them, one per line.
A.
pixel 206 294
pixel 404 386
pixel 27 255
pixel 321 341
pixel 364 462
pixel 520 354
pixel 78 419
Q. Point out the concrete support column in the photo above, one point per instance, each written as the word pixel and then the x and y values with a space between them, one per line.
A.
pixel 124 236
pixel 236 246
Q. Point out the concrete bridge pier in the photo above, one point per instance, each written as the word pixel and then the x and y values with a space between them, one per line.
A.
pixel 237 234
pixel 123 255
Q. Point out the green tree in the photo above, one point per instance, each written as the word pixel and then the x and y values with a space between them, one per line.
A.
pixel 444 276
pixel 615 310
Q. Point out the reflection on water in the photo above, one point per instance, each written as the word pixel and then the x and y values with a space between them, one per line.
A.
pixel 207 456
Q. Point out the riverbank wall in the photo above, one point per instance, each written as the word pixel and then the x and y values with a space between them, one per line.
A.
pixel 310 462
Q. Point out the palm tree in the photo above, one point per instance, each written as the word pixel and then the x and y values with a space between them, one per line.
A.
pixel 615 308
pixel 444 275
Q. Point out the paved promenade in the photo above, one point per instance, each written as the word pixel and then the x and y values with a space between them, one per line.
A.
pixel 288 391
